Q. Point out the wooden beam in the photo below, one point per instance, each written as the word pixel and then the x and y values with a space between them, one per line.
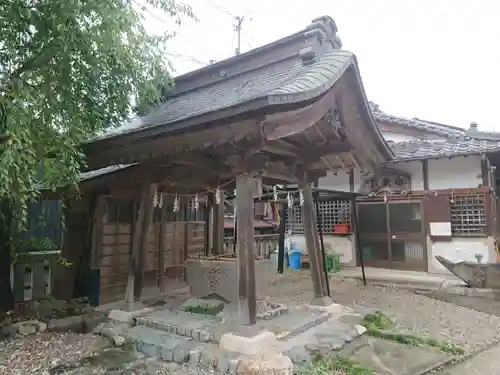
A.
pixel 330 148
pixel 169 144
pixel 140 243
pixel 245 249
pixel 311 242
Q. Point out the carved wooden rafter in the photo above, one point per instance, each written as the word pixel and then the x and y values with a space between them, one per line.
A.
pixel 297 121
pixel 385 180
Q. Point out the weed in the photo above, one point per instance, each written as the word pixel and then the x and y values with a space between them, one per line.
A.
pixel 379 325
pixel 335 365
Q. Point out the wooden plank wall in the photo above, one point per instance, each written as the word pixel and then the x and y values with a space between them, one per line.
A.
pixel 181 239
pixel 115 258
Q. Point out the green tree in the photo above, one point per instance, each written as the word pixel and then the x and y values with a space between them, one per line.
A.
pixel 69 69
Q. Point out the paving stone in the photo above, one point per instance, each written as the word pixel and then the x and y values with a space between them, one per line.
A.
pixel 351 318
pixel 298 355
pixel 194 357
pixel 334 341
pixel 150 350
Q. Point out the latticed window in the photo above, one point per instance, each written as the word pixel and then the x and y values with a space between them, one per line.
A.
pixel 468 215
pixel 332 212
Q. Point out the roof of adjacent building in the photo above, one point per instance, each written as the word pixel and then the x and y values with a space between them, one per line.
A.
pixel 432 126
pixel 422 149
pixel 456 141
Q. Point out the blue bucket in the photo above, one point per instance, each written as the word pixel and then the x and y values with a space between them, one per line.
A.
pixel 294 257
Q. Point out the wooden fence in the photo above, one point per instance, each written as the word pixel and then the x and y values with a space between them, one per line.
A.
pixel 265 244
pixel 32 274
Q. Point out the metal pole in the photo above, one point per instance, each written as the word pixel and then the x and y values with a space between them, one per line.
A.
pixel 282 230
pixel 355 228
pixel 235 232
pixel 239 21
pixel 320 232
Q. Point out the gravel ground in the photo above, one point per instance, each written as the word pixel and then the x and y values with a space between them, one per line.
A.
pixel 441 320
pixel 35 354
pixel 485 363
pixel 78 354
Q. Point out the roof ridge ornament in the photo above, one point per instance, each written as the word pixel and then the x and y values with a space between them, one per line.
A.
pixel 326 25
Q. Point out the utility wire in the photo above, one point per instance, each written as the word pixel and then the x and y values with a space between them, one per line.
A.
pixel 187 57
pixel 220 9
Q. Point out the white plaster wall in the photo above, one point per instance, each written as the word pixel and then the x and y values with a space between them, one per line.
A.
pixel 455 173
pixel 460 249
pixel 416 171
pixel 398 137
pixel 341 245
pixel 335 181
pixel 459 172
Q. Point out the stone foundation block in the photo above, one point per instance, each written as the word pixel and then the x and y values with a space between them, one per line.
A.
pixel 124 316
pixel 264 342
pixel 276 364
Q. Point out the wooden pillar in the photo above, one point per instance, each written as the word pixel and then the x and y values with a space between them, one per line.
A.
pixel 218 226
pixel 310 234
pixel 140 243
pixel 245 250
pixel 208 230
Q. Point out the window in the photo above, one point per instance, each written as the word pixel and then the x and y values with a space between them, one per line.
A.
pixel 332 212
pixel 468 215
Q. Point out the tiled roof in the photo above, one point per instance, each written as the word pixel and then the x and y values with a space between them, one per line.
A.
pixel 431 126
pixel 284 82
pixel 419 150
pixel 441 129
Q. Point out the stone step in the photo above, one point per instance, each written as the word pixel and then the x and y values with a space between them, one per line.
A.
pixel 158 344
pixel 183 324
pixel 173 348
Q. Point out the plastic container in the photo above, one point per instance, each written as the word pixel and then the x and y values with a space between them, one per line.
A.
pixel 341 228
pixel 294 257
pixel 332 263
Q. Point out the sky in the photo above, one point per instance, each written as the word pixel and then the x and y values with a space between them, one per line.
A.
pixel 438 60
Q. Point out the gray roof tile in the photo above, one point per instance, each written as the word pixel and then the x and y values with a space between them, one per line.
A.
pixel 419 150
pixel 277 81
pixel 431 126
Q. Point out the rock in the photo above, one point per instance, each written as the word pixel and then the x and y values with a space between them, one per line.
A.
pixel 360 329
pixel 8 331
pixel 92 320
pixel 27 329
pixel 114 333
pixel 298 355
pixel 118 340
pixel 69 323
pixel 98 329
pixel 276 364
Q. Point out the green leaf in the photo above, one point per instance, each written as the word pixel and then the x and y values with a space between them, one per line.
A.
pixel 70 69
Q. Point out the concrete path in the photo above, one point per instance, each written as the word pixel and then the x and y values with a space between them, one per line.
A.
pixel 485 363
